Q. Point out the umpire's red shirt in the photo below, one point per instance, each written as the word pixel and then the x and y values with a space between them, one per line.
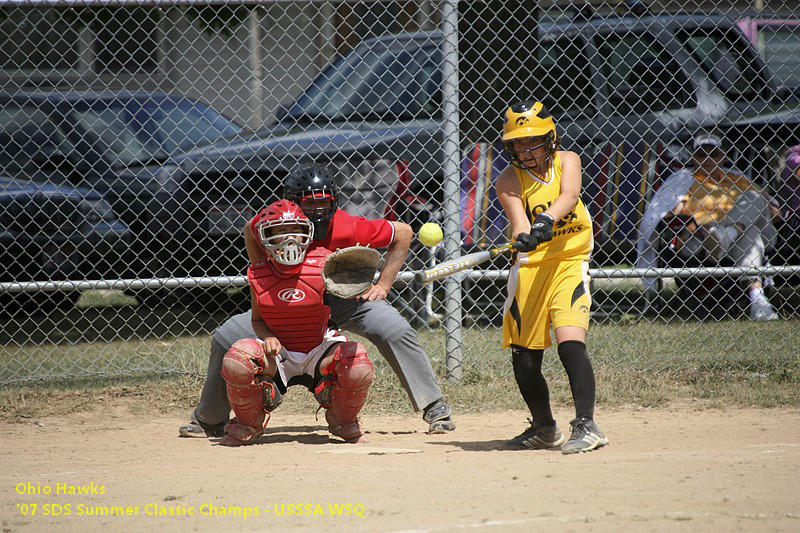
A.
pixel 347 230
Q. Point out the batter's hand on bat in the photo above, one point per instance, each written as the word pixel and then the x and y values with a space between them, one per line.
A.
pixel 525 242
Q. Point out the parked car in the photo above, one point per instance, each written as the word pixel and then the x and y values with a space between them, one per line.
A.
pixel 778 42
pixel 647 78
pixel 55 232
pixel 120 145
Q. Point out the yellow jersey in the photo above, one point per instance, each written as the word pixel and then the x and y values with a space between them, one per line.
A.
pixel 709 200
pixel 573 237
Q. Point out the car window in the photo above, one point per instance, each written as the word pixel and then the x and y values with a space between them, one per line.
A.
pixel 406 86
pixel 563 63
pixel 28 136
pixel 780 48
pixel 110 129
pixel 728 59
pixel 642 75
pixel 336 84
pixel 381 83
pixel 183 125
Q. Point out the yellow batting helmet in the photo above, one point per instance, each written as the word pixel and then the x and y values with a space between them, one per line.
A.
pixel 529 119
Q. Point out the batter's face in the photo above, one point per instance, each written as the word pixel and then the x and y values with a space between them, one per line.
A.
pixel 533 152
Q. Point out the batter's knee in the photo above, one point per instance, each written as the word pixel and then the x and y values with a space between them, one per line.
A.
pixel 526 359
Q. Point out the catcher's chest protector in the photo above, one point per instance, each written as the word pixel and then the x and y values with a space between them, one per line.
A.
pixel 291 305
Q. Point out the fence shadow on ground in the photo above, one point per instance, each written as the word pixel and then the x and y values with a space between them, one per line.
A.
pixel 106 323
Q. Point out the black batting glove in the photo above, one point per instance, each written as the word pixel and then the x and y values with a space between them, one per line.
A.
pixel 542 229
pixel 526 242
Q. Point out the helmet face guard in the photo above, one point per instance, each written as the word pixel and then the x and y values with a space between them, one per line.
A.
pixel 548 142
pixel 528 120
pixel 313 182
pixel 285 248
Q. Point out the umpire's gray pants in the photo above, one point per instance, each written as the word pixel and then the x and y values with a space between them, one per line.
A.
pixel 378 321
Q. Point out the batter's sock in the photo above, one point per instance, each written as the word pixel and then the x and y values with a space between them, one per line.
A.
pixel 579 369
pixel 530 380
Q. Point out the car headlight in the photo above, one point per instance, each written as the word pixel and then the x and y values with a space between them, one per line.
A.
pixel 96 210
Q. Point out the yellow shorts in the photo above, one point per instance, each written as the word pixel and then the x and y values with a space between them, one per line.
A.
pixel 554 291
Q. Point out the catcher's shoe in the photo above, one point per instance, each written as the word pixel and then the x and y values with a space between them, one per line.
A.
pixel 196 428
pixel 586 436
pixel 352 432
pixel 437 415
pixel 237 434
pixel 537 437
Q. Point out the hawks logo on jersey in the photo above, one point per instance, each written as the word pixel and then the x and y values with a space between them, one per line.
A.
pixel 572 234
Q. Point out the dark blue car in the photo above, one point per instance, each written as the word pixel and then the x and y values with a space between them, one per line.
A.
pixel 51 233
pixel 118 144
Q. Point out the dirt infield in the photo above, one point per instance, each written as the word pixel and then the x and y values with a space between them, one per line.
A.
pixel 666 469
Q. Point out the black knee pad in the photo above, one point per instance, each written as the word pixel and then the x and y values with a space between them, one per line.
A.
pixel 526 359
pixel 572 350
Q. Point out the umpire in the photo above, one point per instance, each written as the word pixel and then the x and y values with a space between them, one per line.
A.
pixel 314 189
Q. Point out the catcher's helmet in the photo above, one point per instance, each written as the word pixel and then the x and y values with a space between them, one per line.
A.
pixel 525 120
pixel 286 248
pixel 314 182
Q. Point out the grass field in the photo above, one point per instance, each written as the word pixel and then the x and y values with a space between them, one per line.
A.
pixel 110 347
pixel 635 364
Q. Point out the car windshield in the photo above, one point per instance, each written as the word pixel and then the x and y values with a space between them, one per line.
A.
pixel 131 132
pixel 780 46
pixel 183 125
pixel 27 136
pixel 382 83
pixel 727 58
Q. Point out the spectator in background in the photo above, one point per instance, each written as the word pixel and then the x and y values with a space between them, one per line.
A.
pixel 712 214
pixel 790 183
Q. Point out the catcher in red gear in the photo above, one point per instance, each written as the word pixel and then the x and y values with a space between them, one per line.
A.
pixel 295 345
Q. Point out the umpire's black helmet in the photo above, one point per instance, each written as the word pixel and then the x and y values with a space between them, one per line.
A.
pixel 313 181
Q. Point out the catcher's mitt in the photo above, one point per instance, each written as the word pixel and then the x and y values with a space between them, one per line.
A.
pixel 349 271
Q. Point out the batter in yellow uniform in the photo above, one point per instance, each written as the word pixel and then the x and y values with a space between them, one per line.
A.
pixel 549 280
pixel 552 281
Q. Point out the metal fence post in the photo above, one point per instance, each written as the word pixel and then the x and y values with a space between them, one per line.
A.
pixel 452 223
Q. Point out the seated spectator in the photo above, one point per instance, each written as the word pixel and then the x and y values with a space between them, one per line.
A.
pixel 787 250
pixel 710 215
pixel 790 183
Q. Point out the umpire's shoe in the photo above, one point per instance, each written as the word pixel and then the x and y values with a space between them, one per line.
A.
pixel 437 415
pixel 586 436
pixel 537 437
pixel 195 428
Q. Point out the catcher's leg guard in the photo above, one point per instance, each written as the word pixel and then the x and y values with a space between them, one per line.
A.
pixel 251 396
pixel 353 373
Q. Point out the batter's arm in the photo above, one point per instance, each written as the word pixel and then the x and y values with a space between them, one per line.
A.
pixel 567 199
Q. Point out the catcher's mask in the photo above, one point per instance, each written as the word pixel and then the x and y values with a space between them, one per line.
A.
pixel 529 121
pixel 285 232
pixel 310 182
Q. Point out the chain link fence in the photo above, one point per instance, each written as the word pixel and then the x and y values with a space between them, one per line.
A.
pixel 138 137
